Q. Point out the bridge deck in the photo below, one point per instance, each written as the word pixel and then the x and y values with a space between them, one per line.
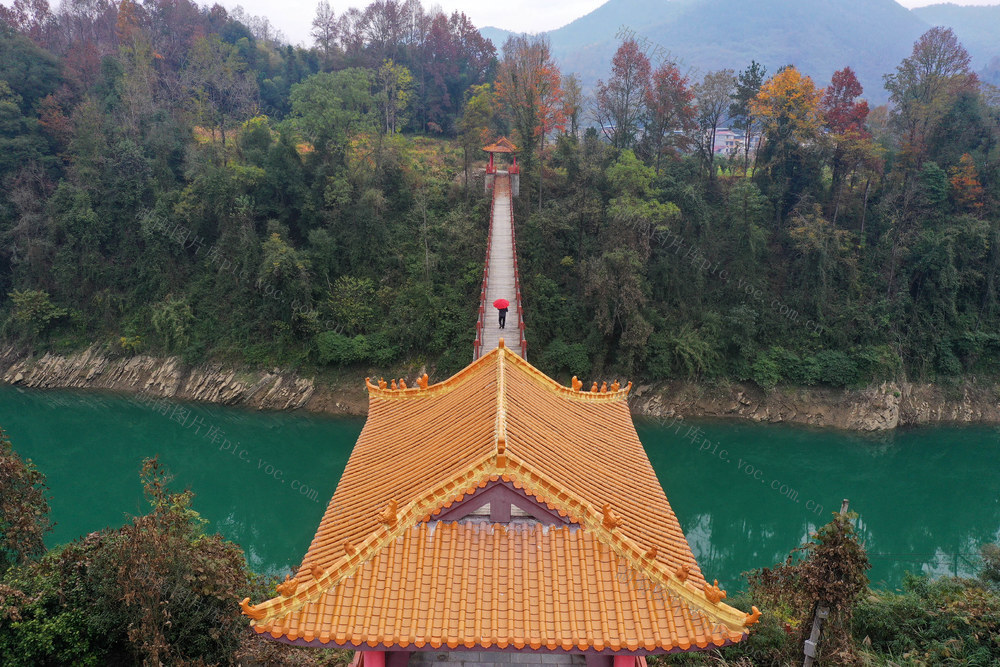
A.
pixel 500 281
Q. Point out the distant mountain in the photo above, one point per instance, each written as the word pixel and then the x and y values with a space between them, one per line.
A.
pixel 976 27
pixel 817 36
pixel 496 35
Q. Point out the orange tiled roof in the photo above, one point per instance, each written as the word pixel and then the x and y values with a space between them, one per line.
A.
pixel 501 145
pixel 383 571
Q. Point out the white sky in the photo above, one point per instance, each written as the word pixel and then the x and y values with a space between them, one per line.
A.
pixel 294 17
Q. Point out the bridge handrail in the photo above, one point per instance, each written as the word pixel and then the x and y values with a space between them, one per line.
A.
pixel 477 346
pixel 517 287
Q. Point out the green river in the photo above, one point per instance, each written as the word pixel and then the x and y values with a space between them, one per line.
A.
pixel 745 494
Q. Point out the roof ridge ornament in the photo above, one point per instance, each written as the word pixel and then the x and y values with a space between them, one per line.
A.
pixel 287 587
pixel 390 514
pixel 253 611
pixel 714 593
pixel 611 519
pixel 502 452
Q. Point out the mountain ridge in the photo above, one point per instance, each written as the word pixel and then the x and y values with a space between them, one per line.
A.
pixel 817 36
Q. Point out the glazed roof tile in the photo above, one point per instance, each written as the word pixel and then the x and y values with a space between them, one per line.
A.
pixel 501 145
pixel 382 570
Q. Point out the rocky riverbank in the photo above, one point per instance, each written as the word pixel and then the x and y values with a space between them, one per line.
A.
pixel 169 377
pixel 876 408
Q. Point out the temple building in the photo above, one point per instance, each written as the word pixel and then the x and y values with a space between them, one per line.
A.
pixel 501 514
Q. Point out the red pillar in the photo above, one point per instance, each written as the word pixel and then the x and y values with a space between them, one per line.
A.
pixel 620 661
pixel 373 659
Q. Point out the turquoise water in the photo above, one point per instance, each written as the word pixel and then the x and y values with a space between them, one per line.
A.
pixel 928 498
pixel 746 494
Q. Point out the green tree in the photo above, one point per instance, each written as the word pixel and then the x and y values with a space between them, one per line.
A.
pixel 748 84
pixel 352 302
pixel 394 84
pixel 33 311
pixel 925 86
pixel 329 107
pixel 172 320
pixel 224 91
pixel 474 124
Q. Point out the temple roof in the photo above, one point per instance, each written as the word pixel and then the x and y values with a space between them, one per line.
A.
pixel 618 574
pixel 501 145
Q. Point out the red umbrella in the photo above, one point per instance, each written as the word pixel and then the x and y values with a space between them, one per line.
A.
pixel 500 304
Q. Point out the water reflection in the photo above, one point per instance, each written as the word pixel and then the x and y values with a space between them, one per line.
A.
pixel 927 498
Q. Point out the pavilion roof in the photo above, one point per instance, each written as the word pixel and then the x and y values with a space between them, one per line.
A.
pixel 501 145
pixel 382 570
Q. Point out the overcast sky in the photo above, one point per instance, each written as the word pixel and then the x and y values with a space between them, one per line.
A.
pixel 294 17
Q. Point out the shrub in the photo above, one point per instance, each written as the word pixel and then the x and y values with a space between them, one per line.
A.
pixel 877 363
pixel 947 363
pixel 24 512
pixel 831 572
pixel 159 590
pixel 837 369
pixel 172 320
pixel 990 574
pixel 380 350
pixel 932 622
pixel 570 357
pixel 336 348
pixel 34 311
pixel 776 365
pixel 765 371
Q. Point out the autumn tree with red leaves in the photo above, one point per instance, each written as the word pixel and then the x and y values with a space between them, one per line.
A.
pixel 529 96
pixel 669 115
pixel 620 104
pixel 844 117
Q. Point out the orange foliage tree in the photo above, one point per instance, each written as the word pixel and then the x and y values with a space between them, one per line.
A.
pixel 966 186
pixel 788 106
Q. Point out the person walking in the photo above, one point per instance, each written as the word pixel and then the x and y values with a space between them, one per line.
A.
pixel 502 305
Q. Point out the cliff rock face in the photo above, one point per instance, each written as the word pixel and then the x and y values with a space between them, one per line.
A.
pixel 876 408
pixel 167 377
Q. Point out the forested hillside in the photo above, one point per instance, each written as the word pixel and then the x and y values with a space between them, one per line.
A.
pixel 177 181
